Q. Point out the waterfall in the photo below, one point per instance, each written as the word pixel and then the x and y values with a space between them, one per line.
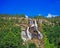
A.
pixel 29 34
pixel 36 23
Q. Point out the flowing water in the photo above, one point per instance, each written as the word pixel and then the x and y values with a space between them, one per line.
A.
pixel 26 35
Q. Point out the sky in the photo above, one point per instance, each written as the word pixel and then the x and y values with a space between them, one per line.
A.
pixel 30 7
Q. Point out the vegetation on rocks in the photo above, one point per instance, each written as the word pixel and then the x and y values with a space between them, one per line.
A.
pixel 10 34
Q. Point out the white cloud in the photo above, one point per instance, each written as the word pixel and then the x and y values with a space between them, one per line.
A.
pixel 50 15
pixel 39 14
pixel 26 16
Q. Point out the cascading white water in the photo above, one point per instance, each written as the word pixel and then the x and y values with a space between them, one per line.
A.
pixel 36 24
pixel 40 36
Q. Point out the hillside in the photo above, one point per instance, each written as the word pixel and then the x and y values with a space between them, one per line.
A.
pixel 11 27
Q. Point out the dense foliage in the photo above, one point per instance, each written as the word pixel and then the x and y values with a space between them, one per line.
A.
pixel 52 32
pixel 10 34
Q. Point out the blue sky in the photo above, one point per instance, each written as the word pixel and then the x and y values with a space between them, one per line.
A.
pixel 30 7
